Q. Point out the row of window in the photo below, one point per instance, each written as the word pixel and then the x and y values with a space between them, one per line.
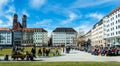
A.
pixel 117 27
pixel 117 33
pixel 116 16
pixel 4 42
pixel 38 38
pixel 117 21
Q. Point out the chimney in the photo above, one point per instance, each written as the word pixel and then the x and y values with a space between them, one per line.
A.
pixel 24 19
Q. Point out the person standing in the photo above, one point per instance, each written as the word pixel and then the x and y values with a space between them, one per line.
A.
pixel 39 52
pixel 33 51
pixel 44 51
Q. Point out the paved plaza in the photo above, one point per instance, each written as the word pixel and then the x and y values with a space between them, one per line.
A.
pixel 75 55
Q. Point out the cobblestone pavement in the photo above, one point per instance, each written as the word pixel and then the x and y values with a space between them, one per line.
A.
pixel 76 56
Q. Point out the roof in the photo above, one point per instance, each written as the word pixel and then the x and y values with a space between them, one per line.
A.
pixel 88 32
pixel 4 29
pixel 17 26
pixel 98 23
pixel 114 10
pixel 64 30
pixel 34 29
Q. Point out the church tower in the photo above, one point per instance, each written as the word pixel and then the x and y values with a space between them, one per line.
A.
pixel 15 19
pixel 24 19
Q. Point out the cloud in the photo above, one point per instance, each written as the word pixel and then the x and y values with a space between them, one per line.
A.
pixel 71 17
pixel 46 24
pixel 3 2
pixel 90 3
pixel 26 13
pixel 49 32
pixel 43 22
pixel 10 10
pixel 95 15
pixel 36 4
pixel 5 25
pixel 6 13
pixel 8 22
pixel 86 26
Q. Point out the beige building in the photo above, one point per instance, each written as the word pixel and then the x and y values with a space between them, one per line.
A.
pixel 88 35
pixel 97 34
pixel 37 36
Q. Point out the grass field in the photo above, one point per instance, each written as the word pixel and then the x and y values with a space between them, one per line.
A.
pixel 8 51
pixel 59 64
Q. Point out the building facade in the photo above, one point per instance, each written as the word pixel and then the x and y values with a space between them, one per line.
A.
pixel 88 35
pixel 64 37
pixel 21 35
pixel 34 36
pixel 5 37
pixel 27 36
pixel 40 37
pixel 97 34
pixel 112 25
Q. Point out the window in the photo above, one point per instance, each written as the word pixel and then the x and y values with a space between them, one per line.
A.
pixel 118 26
pixel 113 33
pixel 116 22
pixel 116 33
pixel 111 19
pixel 118 15
pixel 113 28
pixel 111 24
pixel 119 20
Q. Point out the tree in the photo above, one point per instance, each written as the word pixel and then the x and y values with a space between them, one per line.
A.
pixel 88 42
pixel 81 40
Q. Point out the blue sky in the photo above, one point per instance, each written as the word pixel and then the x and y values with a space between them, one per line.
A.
pixel 49 14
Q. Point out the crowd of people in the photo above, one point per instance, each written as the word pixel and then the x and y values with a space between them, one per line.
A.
pixel 46 51
pixel 103 51
pixel 39 51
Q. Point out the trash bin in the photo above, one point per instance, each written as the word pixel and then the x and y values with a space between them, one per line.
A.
pixel 6 57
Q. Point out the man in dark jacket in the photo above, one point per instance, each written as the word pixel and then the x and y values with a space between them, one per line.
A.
pixel 33 51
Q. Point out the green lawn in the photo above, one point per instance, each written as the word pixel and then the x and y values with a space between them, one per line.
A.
pixel 5 51
pixel 8 51
pixel 59 64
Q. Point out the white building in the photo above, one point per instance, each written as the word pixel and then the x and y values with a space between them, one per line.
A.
pixel 97 34
pixel 5 37
pixel 64 37
pixel 40 37
pixel 112 25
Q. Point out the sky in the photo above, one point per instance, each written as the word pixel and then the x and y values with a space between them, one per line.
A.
pixel 50 14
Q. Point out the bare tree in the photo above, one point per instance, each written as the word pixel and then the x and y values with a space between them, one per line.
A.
pixel 81 40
